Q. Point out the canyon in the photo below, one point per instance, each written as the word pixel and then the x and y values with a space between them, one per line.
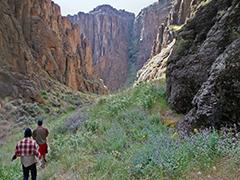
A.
pixel 152 96
pixel 192 44
pixel 84 52
pixel 119 39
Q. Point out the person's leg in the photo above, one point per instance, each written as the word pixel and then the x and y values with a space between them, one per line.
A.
pixel 45 151
pixel 33 169
pixel 44 157
pixel 25 172
pixel 43 162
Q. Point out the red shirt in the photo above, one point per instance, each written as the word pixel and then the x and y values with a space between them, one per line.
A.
pixel 27 147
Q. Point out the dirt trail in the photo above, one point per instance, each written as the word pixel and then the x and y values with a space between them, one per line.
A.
pixel 77 118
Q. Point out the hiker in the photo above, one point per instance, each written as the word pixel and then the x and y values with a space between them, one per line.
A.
pixel 40 134
pixel 27 149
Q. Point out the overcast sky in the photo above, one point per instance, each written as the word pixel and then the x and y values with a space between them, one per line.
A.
pixel 74 6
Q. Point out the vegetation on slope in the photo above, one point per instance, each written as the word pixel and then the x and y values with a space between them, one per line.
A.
pixel 127 136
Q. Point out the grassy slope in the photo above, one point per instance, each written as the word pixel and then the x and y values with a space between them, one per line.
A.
pixel 126 137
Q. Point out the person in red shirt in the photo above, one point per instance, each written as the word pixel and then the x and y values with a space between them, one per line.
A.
pixel 27 149
pixel 40 134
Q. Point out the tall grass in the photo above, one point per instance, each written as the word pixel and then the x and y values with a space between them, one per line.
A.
pixel 124 138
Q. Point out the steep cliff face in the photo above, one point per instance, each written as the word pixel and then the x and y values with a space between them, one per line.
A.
pixel 181 11
pixel 146 28
pixel 38 43
pixel 15 57
pixel 202 72
pixel 108 31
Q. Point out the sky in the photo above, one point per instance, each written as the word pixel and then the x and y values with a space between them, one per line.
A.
pixel 74 6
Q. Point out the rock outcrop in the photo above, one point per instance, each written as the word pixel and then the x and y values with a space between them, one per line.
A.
pixel 155 67
pixel 41 46
pixel 108 32
pixel 202 72
pixel 217 101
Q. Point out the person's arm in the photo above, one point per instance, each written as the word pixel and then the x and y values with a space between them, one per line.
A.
pixel 47 132
pixel 34 134
pixel 14 157
pixel 16 153
pixel 35 150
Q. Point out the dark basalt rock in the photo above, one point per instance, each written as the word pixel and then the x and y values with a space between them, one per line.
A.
pixel 198 45
pixel 218 100
pixel 203 70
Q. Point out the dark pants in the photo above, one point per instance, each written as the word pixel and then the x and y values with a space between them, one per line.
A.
pixel 33 170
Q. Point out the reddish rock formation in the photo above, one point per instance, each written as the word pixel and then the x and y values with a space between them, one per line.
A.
pixel 164 37
pixel 15 57
pixel 108 31
pixel 38 43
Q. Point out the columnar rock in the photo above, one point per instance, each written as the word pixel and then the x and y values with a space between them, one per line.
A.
pixel 202 72
pixel 39 44
pixel 183 10
pixel 146 28
pixel 108 31
pixel 164 37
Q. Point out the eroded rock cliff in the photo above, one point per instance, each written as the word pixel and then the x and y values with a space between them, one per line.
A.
pixel 108 31
pixel 41 46
pixel 15 57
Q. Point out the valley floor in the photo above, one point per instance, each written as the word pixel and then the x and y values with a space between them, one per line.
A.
pixel 127 135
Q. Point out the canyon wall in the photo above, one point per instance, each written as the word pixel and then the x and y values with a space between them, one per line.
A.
pixel 119 39
pixel 39 45
pixel 146 28
pixel 108 31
